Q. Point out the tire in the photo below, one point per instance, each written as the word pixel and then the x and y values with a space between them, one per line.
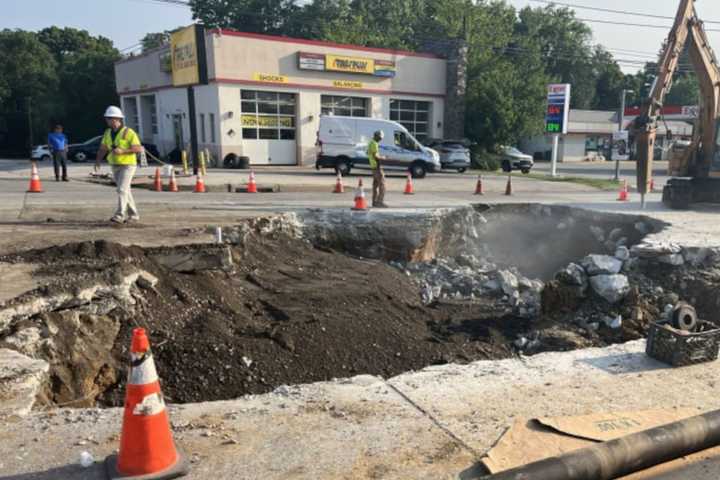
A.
pixel 506 167
pixel 525 171
pixel 342 166
pixel 243 163
pixel 45 158
pixel 418 169
pixel 230 160
pixel 462 170
pixel 80 157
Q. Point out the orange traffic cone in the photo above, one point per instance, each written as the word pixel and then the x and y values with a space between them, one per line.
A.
pixel 147 449
pixel 35 185
pixel 479 190
pixel 157 186
pixel 508 187
pixel 199 185
pixel 172 186
pixel 252 186
pixel 652 185
pixel 360 201
pixel 339 187
pixel 409 186
pixel 623 196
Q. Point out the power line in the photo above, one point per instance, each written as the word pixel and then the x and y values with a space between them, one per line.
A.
pixel 642 25
pixel 608 10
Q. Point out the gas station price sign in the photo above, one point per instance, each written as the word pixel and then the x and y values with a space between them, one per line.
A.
pixel 558 108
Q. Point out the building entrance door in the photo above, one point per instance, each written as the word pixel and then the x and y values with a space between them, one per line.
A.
pixel 178 131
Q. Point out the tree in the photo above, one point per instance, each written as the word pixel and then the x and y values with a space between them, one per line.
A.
pixel 258 16
pixel 155 40
pixel 609 81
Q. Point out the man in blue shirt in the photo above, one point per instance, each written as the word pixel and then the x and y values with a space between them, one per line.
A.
pixel 57 141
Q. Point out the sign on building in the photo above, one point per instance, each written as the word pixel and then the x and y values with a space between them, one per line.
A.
pixel 621 145
pixel 187 52
pixel 558 109
pixel 345 64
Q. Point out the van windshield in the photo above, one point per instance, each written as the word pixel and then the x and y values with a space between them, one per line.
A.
pixel 404 140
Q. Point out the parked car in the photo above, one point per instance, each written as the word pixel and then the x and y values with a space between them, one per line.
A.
pixel 514 159
pixel 343 145
pixel 41 152
pixel 454 154
pixel 82 152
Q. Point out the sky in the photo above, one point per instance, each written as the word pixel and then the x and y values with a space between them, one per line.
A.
pixel 127 21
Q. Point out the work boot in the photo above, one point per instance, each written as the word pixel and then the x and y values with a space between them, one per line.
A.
pixel 65 179
pixel 381 205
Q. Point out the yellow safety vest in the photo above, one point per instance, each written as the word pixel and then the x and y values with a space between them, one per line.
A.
pixel 125 139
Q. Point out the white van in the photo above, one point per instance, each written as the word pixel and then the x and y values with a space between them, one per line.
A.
pixel 343 145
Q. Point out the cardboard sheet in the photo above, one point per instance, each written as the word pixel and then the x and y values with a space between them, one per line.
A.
pixel 530 440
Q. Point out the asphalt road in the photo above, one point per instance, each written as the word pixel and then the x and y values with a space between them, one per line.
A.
pixel 604 170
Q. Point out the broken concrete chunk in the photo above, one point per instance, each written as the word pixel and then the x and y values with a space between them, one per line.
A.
pixel 612 288
pixel 146 280
pixel 21 378
pixel 655 249
pixel 696 256
pixel 642 228
pixel 598 233
pixel 674 259
pixel 601 265
pixel 573 274
pixel 195 260
pixel 622 253
pixel 508 281
pixel 615 234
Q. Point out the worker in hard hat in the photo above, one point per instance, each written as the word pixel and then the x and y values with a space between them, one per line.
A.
pixel 375 159
pixel 120 144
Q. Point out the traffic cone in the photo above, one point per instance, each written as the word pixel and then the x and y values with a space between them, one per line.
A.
pixel 360 201
pixel 172 186
pixel 199 185
pixel 508 187
pixel 158 182
pixel 252 186
pixel 479 189
pixel 652 185
pixel 623 196
pixel 339 187
pixel 35 185
pixel 409 186
pixel 147 449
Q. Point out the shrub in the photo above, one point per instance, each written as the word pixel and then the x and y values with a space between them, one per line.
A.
pixel 484 160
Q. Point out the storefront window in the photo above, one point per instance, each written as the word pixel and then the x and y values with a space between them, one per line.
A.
pixel 413 115
pixel 344 106
pixel 267 115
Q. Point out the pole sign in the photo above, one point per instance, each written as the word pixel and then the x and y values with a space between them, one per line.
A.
pixel 187 56
pixel 558 109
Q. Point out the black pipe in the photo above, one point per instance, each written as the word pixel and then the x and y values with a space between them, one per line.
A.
pixel 626 455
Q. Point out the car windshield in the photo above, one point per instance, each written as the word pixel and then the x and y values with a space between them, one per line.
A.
pixel 513 151
pixel 454 146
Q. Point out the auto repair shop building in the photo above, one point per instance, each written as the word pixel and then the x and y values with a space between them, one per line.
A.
pixel 265 94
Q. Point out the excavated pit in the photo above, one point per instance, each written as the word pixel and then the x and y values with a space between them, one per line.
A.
pixel 326 294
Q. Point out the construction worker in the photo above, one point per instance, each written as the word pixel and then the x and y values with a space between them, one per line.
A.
pixel 120 144
pixel 376 160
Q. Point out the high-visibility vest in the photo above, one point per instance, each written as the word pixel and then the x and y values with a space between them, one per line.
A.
pixel 125 139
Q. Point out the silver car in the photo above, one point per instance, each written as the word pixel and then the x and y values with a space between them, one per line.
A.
pixel 514 159
pixel 454 155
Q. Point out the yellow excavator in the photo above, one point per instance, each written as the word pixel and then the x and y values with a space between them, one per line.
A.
pixel 695 175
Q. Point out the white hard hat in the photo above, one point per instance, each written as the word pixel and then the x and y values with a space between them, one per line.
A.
pixel 113 112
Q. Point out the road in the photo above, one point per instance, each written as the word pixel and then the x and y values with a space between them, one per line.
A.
pixel 604 170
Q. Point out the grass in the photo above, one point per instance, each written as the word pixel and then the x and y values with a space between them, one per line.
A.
pixel 599 183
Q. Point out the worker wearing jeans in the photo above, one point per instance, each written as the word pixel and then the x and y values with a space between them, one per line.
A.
pixel 375 159
pixel 121 144
pixel 57 141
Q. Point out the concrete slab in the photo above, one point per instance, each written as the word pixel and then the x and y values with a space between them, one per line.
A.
pixel 21 378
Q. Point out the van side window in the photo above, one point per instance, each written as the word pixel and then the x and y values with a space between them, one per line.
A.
pixel 403 141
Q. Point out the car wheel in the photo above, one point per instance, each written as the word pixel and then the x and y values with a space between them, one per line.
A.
pixel 525 171
pixel 80 157
pixel 45 158
pixel 462 170
pixel 506 167
pixel 418 170
pixel 342 167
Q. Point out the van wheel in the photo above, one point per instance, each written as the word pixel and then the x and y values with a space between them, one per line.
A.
pixel 342 167
pixel 462 170
pixel 525 171
pixel 418 170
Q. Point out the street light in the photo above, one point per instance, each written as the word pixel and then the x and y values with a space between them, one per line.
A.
pixel 621 120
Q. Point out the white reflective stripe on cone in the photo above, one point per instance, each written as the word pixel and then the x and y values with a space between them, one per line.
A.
pixel 144 373
pixel 151 405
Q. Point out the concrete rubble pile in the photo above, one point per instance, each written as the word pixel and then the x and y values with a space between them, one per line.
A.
pixel 470 277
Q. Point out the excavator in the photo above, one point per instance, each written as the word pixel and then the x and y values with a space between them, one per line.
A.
pixel 695 174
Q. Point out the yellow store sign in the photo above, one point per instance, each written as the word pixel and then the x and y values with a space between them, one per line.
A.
pixel 184 52
pixel 337 63
pixel 347 84
pixel 270 78
pixel 266 121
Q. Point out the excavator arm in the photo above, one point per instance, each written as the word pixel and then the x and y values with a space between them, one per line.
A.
pixel 687 31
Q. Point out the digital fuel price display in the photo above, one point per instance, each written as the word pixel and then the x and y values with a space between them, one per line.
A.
pixel 558 108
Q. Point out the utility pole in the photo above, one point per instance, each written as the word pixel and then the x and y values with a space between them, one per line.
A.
pixel 30 126
pixel 621 122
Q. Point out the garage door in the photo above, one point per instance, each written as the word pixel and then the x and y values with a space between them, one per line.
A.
pixel 269 127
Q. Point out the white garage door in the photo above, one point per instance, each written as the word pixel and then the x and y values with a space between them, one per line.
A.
pixel 269 127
